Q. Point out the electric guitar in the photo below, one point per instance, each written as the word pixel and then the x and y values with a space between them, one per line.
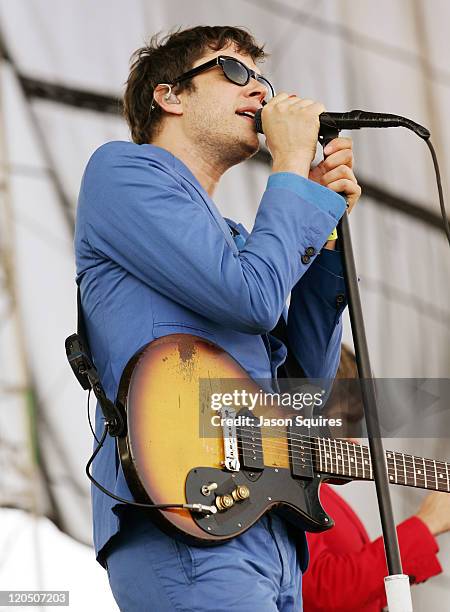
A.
pixel 172 453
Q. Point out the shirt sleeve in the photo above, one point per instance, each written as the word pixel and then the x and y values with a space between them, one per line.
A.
pixel 418 549
pixel 137 213
pixel 354 580
pixel 315 316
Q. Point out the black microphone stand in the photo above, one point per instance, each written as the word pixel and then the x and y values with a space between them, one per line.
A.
pixel 377 453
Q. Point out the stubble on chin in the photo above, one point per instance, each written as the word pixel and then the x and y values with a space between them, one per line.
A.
pixel 239 147
pixel 220 140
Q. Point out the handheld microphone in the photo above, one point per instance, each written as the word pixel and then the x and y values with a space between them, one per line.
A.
pixel 357 119
pixel 332 123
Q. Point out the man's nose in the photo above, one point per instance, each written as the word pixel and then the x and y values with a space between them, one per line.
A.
pixel 256 90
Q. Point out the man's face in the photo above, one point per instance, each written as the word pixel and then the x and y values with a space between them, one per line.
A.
pixel 210 112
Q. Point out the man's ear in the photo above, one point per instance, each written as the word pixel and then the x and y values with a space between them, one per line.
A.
pixel 167 100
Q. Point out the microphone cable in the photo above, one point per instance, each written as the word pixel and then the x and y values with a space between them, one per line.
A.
pixel 439 186
pixel 357 119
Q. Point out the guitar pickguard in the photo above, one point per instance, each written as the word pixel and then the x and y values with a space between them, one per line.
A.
pixel 274 488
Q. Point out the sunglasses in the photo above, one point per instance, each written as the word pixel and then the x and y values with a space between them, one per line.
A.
pixel 234 70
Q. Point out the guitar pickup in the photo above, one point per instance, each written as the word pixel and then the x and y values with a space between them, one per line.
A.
pixel 250 442
pixel 300 454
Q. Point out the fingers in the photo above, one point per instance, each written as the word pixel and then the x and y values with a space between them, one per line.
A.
pixel 343 156
pixel 291 126
pixel 340 172
pixel 284 100
pixel 313 106
pixel 351 190
pixel 343 180
pixel 336 170
pixel 337 144
pixel 277 99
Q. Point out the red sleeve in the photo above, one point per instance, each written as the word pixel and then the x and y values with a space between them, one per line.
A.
pixel 418 548
pixel 350 581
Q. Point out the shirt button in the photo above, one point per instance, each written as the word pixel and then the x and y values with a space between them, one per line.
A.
pixel 340 299
pixel 310 251
pixel 306 259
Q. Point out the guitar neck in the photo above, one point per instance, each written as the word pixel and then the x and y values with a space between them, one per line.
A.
pixel 342 458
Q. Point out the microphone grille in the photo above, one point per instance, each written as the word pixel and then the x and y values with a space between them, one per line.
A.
pixel 258 122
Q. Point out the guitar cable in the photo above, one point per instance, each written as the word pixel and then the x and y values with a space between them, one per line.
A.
pixel 195 507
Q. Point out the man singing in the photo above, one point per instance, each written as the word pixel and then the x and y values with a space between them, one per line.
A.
pixel 155 257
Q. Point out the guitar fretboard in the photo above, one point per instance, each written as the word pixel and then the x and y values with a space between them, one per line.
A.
pixel 342 458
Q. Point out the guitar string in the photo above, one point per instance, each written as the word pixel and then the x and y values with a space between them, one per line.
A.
pixel 358 460
pixel 305 440
pixel 314 442
pixel 357 463
pixel 415 475
pixel 300 437
pixel 419 479
pixel 357 466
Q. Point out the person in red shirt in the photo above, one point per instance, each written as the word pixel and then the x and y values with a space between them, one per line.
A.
pixel 346 570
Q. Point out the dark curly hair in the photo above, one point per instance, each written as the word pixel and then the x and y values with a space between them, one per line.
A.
pixel 165 58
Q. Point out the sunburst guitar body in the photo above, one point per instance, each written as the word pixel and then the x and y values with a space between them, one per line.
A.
pixel 173 454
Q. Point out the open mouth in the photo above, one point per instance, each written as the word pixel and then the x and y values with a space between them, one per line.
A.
pixel 247 115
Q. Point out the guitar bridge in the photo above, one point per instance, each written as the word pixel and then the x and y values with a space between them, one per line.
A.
pixel 230 444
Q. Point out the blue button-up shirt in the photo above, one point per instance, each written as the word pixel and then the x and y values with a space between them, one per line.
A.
pixel 155 257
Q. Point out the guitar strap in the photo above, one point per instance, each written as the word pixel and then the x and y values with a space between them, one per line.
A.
pixel 81 326
pixel 80 360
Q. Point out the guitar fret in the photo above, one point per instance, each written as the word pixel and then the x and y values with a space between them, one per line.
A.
pixel 336 455
pixel 342 455
pixel 356 460
pixel 399 469
pixel 369 461
pixel 362 462
pixel 421 478
pixel 348 455
pixel 331 456
pixel 441 481
pixel 389 456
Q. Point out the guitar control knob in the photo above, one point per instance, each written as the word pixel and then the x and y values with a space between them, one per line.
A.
pixel 240 492
pixel 224 502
